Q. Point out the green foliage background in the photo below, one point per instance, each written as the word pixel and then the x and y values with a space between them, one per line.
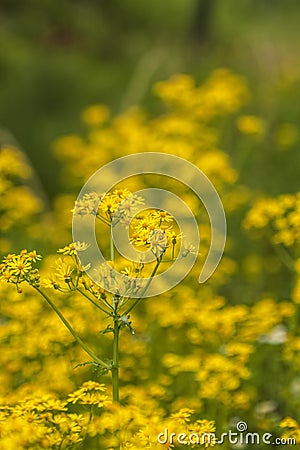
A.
pixel 56 57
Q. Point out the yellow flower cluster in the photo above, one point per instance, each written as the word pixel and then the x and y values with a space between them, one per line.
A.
pixel 95 115
pixel 44 422
pixel 292 429
pixel 192 360
pixel 221 339
pixel 296 290
pixel 281 215
pixel 155 230
pixel 47 422
pixel 186 129
pixel 18 268
pixel 18 202
pixel 223 93
pixel 252 125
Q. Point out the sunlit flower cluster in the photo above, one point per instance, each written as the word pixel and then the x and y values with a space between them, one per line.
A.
pixel 194 360
pixel 252 125
pixel 185 129
pixel 155 230
pixel 280 215
pixel 18 201
pixel 18 268
pixel 47 422
pixel 223 93
pixel 292 429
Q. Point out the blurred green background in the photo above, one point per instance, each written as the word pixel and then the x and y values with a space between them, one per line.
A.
pixel 56 57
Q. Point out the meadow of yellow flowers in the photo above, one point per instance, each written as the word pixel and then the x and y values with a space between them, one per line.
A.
pixel 197 359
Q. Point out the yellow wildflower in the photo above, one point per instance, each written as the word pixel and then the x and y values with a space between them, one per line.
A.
pixel 95 115
pixel 251 125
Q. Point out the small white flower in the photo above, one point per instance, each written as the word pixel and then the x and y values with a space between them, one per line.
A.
pixel 276 336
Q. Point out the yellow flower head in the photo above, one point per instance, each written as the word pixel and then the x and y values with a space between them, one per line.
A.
pixel 95 115
pixel 18 268
pixel 251 125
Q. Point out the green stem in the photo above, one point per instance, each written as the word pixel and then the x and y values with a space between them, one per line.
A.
pixel 103 219
pixel 115 363
pixel 72 331
pixel 285 257
pixel 173 251
pixel 158 261
pixel 93 301
pixel 112 248
pixel 91 414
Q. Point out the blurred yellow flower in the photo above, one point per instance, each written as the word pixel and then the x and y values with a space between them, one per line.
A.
pixel 286 135
pixel 250 124
pixel 95 115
